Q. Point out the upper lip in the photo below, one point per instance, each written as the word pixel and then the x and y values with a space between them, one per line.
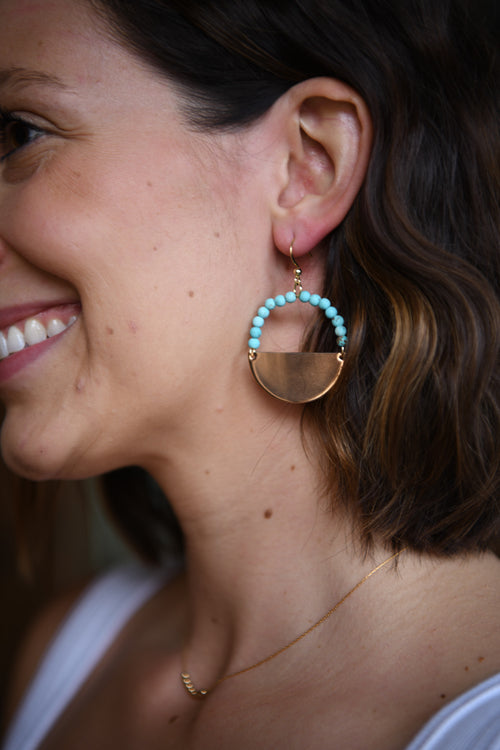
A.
pixel 16 313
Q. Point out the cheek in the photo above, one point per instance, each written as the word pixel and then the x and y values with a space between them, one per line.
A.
pixel 79 216
pixel 42 219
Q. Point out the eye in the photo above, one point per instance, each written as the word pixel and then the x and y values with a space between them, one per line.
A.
pixel 15 133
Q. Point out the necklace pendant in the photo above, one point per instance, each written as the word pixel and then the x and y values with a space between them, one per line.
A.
pixel 188 684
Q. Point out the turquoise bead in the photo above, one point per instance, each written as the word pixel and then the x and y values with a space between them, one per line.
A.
pixel 304 296
pixel 253 343
pixel 263 312
pixel 270 303
pixel 338 320
pixel 258 322
pixel 342 340
pixel 340 330
pixel 290 297
pixel 314 300
pixel 255 332
pixel 324 303
pixel 331 313
pixel 280 300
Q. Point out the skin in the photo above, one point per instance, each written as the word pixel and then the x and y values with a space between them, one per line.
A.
pixel 168 240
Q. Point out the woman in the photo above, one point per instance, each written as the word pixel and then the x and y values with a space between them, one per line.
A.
pixel 167 170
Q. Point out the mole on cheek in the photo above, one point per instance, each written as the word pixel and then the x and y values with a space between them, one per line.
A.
pixel 268 513
pixel 191 293
pixel 80 385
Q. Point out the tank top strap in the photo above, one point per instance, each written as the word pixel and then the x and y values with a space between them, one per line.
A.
pixel 81 641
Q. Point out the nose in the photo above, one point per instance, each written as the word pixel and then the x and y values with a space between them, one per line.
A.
pixel 4 247
pixel 3 244
pixel 4 211
pixel 3 251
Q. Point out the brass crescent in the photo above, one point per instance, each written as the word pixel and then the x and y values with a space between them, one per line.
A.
pixel 296 377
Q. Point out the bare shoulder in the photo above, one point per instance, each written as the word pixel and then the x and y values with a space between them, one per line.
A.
pixel 36 641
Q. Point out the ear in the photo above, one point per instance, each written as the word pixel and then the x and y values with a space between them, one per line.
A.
pixel 329 134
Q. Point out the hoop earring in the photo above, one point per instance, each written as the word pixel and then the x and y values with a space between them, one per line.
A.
pixel 296 377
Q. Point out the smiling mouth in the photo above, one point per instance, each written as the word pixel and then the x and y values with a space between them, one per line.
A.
pixel 33 330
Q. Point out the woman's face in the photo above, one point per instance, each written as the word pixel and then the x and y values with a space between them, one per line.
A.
pixel 125 228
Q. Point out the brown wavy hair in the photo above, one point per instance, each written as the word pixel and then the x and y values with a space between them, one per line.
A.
pixel 409 437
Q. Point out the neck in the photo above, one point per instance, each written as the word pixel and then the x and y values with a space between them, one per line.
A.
pixel 267 556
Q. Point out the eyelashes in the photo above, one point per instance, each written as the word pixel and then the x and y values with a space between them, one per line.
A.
pixel 15 134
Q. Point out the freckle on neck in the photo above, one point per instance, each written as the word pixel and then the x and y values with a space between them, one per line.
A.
pixel 268 513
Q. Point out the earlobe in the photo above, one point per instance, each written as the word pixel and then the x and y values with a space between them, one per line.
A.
pixel 329 151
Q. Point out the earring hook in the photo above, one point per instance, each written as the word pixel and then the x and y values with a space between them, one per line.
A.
pixel 297 273
pixel 292 257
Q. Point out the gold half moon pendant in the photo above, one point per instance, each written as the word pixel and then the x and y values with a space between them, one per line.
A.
pixel 188 684
pixel 296 377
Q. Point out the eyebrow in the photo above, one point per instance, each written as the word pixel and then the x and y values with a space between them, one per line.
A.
pixel 22 77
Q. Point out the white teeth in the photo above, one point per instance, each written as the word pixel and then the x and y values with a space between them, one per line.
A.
pixel 54 327
pixel 4 349
pixel 15 340
pixel 34 332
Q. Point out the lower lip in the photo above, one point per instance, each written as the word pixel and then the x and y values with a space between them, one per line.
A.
pixel 12 364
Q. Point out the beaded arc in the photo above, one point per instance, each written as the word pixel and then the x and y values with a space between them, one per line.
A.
pixel 281 300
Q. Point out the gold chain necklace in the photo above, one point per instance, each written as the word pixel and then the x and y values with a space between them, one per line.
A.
pixel 186 677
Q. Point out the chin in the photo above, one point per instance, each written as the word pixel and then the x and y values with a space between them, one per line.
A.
pixel 39 456
pixel 27 464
